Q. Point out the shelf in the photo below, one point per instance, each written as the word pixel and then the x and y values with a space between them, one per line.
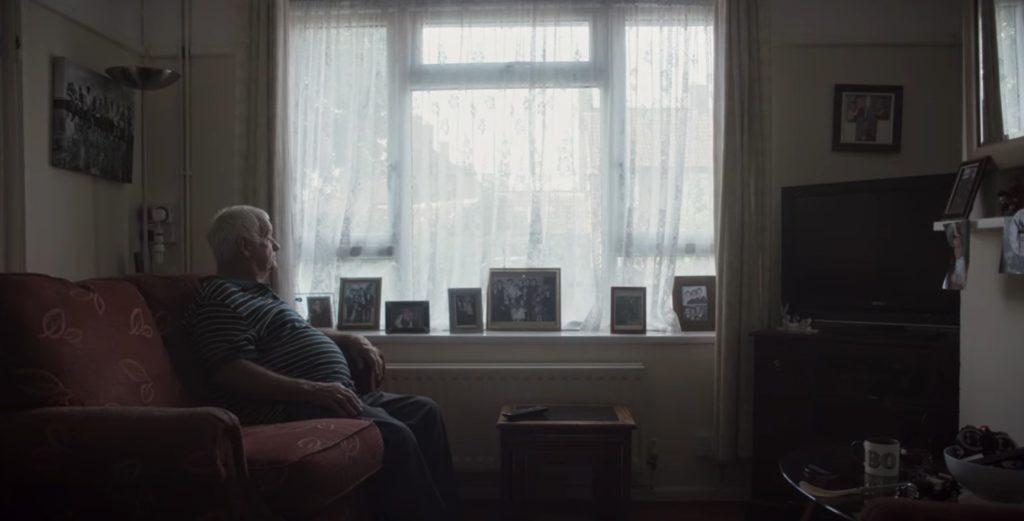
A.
pixel 986 223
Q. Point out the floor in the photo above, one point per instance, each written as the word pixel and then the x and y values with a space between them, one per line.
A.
pixel 642 511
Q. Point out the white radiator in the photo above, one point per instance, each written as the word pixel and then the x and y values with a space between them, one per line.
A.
pixel 471 396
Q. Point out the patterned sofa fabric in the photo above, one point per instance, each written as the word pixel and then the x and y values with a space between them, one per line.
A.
pixel 123 462
pixel 82 344
pixel 96 389
pixel 300 468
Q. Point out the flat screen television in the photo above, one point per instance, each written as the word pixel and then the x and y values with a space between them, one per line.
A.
pixel 865 252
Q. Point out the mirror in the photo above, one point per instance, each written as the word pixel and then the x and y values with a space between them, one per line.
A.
pixel 1000 69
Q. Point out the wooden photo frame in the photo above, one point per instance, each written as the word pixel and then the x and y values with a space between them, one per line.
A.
pixel 407 316
pixel 359 303
pixel 965 188
pixel 465 310
pixel 693 299
pixel 527 299
pixel 629 310
pixel 867 118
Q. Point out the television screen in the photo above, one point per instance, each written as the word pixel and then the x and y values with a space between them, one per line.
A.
pixel 865 252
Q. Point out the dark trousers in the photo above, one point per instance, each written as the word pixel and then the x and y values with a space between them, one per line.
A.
pixel 416 481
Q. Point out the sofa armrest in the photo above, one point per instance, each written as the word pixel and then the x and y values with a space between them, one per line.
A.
pixel 168 462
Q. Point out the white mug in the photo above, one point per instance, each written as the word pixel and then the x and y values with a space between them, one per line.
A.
pixel 881 457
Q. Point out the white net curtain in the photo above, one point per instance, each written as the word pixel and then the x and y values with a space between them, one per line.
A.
pixel 431 142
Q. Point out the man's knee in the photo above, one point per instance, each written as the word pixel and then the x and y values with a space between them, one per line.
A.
pixel 397 436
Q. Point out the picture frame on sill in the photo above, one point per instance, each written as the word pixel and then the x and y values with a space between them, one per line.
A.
pixel 693 299
pixel 965 188
pixel 465 310
pixel 359 303
pixel 527 299
pixel 407 316
pixel 319 312
pixel 867 118
pixel 629 310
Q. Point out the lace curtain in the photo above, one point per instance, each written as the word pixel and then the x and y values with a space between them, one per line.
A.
pixel 431 142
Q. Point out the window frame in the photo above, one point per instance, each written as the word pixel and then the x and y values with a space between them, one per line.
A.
pixel 605 70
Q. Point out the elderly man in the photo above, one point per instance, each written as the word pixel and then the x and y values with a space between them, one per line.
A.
pixel 267 365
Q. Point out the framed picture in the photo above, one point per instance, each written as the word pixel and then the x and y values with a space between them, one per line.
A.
pixel 524 299
pixel 319 309
pixel 92 130
pixel 693 299
pixel 867 118
pixel 465 310
pixel 359 303
pixel 629 310
pixel 965 188
pixel 407 316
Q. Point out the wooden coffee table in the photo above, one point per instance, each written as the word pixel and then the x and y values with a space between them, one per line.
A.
pixel 598 436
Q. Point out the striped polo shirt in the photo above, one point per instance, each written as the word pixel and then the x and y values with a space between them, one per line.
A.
pixel 233 319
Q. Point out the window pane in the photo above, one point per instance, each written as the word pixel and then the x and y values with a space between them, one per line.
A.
pixel 502 43
pixel 505 178
pixel 669 141
pixel 338 132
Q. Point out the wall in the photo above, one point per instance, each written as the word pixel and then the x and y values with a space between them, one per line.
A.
pixel 76 225
pixel 118 20
pixel 991 342
pixel 217 41
pixel 913 43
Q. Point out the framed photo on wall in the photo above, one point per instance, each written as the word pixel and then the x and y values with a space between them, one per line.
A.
pixel 465 310
pixel 359 303
pixel 693 299
pixel 407 316
pixel 629 310
pixel 867 118
pixel 965 188
pixel 92 129
pixel 524 299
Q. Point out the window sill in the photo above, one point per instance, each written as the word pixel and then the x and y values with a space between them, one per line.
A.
pixel 519 337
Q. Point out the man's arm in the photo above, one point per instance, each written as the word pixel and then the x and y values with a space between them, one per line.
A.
pixel 359 352
pixel 245 378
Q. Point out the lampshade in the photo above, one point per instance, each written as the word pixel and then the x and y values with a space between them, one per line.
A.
pixel 142 78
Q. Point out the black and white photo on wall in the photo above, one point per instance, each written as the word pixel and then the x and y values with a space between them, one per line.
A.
pixel 359 303
pixel 629 310
pixel 407 316
pixel 524 299
pixel 965 188
pixel 958 236
pixel 867 118
pixel 92 128
pixel 465 310
pixel 1012 260
pixel 693 299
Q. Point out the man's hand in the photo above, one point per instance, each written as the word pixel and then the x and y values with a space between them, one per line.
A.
pixel 361 353
pixel 334 397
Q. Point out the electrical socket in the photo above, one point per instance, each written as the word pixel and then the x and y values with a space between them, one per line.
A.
pixel 652 453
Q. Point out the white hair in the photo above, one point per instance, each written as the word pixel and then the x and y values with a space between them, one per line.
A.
pixel 231 224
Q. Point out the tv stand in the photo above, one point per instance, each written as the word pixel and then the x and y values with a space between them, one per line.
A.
pixel 848 383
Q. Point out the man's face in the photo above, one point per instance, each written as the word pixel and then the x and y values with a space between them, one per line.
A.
pixel 263 250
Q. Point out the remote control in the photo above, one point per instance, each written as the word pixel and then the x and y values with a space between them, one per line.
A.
pixel 526 412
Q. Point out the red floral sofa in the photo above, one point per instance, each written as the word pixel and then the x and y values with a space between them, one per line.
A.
pixel 102 417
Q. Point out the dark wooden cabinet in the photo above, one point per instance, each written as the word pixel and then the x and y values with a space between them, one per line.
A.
pixel 846 384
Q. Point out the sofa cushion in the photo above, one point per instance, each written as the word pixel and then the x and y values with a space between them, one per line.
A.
pixel 299 468
pixel 89 343
pixel 169 297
